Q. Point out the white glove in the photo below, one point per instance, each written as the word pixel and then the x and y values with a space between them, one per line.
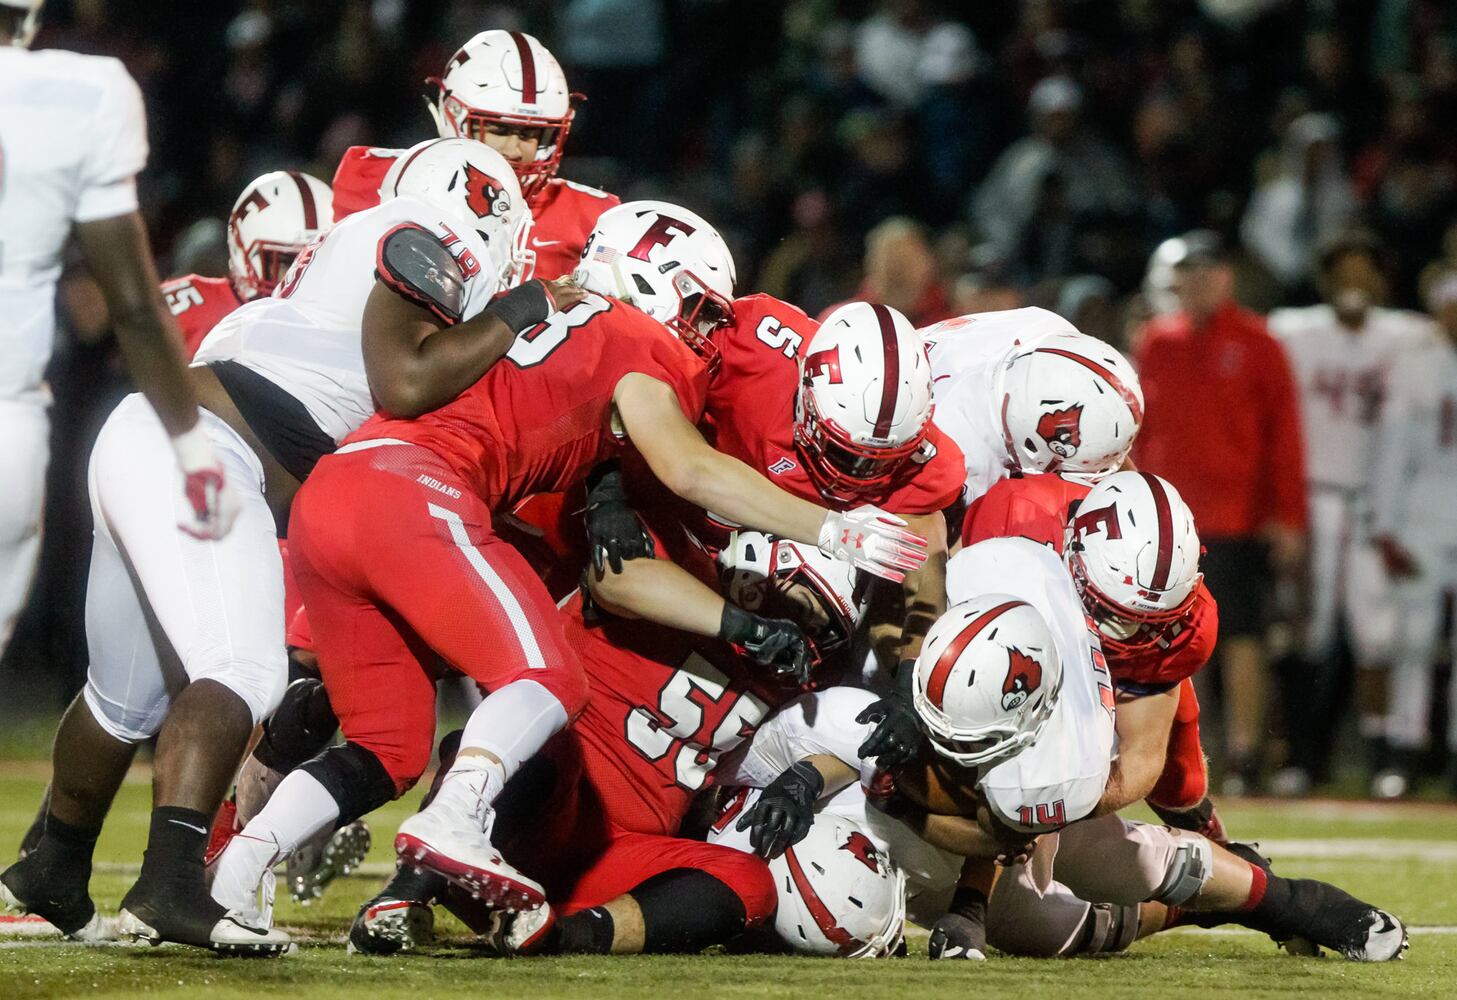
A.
pixel 212 506
pixel 870 539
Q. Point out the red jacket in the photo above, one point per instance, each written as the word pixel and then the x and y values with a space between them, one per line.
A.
pixel 1222 421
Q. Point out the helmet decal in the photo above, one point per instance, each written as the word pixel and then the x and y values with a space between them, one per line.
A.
pixel 255 202
pixel 822 915
pixel 1059 428
pixel 1104 519
pixel 941 672
pixel 1024 677
pixel 861 848
pixel 662 232
pixel 484 195
pixel 1165 517
pixel 821 362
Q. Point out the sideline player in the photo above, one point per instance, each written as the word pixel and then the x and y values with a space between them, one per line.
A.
pixel 272 220
pixel 569 394
pixel 70 163
pixel 505 89
pixel 282 380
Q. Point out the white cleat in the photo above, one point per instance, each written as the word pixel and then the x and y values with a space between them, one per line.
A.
pixel 243 881
pixel 451 845
pixel 229 936
pixel 1385 940
pixel 521 933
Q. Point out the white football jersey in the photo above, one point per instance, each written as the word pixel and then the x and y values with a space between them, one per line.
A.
pixel 1416 456
pixel 1344 377
pixel 1061 777
pixel 73 137
pixel 305 338
pixel 967 355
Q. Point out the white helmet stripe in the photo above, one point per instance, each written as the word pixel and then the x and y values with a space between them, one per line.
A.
pixel 891 385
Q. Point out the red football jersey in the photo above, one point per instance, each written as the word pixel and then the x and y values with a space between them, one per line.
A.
pixel 563 213
pixel 751 410
pixel 198 303
pixel 540 419
pixel 1038 507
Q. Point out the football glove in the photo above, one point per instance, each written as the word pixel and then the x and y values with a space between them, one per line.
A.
pixel 870 539
pixel 955 935
pixel 896 739
pixel 211 506
pixel 785 811
pixel 771 642
pixel 614 531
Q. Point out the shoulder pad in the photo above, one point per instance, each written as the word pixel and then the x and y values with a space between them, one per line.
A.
pixel 414 263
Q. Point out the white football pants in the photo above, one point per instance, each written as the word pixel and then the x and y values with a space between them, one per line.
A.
pixel 1348 583
pixel 1420 602
pixel 23 461
pixel 218 604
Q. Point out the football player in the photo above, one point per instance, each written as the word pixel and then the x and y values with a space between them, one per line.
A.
pixel 366 314
pixel 570 393
pixel 505 89
pixel 71 164
pixel 1342 353
pixel 274 218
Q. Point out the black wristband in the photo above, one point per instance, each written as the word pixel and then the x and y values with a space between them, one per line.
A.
pixel 522 307
pixel 735 624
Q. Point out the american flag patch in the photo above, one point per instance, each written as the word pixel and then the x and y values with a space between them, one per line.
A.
pixel 605 255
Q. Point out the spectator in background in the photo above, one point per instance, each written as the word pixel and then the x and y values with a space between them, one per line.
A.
pixel 1060 175
pixel 1223 425
pixel 901 272
pixel 1305 205
pixel 1343 352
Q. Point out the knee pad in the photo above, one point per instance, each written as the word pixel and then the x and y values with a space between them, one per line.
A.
pixel 1190 867
pixel 685 910
pixel 1108 928
pixel 125 723
pixel 259 685
pixel 299 729
pixel 355 777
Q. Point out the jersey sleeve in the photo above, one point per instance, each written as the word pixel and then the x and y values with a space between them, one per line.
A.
pixel 822 722
pixel 356 182
pixel 117 150
pixel 1013 508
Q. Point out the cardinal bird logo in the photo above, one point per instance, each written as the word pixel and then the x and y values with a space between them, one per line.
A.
pixel 1059 428
pixel 484 194
pixel 1024 676
pixel 863 851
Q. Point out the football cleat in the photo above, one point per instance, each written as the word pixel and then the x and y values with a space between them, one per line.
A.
pixel 201 922
pixel 24 888
pixel 313 866
pixel 384 926
pixel 1383 938
pixel 452 845
pixel 521 933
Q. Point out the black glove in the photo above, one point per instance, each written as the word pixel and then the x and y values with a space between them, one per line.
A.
pixel 785 811
pixel 958 936
pixel 613 529
pixel 896 740
pixel 772 642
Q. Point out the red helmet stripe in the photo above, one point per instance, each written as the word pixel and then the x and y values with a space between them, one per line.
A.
pixel 823 918
pixel 891 387
pixel 941 672
pixel 528 68
pixel 406 165
pixel 1165 515
pixel 1105 374
pixel 306 195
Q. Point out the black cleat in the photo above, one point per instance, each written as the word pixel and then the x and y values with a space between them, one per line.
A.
pixel 157 916
pixel 384 926
pixel 29 886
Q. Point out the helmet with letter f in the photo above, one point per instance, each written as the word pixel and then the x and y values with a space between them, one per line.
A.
pixel 986 680
pixel 668 262
pixel 28 25
pixel 275 217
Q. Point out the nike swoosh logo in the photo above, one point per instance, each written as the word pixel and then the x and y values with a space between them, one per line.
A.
pixel 199 829
pixel 544 243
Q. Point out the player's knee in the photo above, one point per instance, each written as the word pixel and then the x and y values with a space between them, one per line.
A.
pixel 126 723
pixel 260 684
pixel 1022 921
pixel 301 726
pixel 1186 869
pixel 748 876
pixel 567 681
pixel 359 780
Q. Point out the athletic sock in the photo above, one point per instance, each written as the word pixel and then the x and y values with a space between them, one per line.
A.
pixel 685 910
pixel 175 846
pixel 512 724
pixel 587 932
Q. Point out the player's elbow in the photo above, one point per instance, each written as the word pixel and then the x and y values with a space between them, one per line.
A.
pixel 402 397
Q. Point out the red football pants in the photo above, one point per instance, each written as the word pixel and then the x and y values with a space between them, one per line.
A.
pixel 1185 779
pixel 554 826
pixel 397 564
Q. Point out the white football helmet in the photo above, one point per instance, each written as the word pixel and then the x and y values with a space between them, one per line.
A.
pixel 1134 554
pixel 507 80
pixel 864 401
pixel 987 679
pixel 473 184
pixel 275 217
pixel 839 894
pixel 1070 404
pixel 668 262
pixel 25 32
pixel 782 578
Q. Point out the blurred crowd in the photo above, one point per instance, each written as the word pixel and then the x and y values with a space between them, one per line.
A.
pixel 942 157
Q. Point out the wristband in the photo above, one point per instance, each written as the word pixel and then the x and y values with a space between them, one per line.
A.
pixel 523 306
pixel 194 448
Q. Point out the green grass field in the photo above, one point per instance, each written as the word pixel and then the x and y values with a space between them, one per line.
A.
pixel 1402 857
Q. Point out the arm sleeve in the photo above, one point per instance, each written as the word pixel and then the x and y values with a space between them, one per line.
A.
pixel 1285 457
pixel 812 724
pixel 118 149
